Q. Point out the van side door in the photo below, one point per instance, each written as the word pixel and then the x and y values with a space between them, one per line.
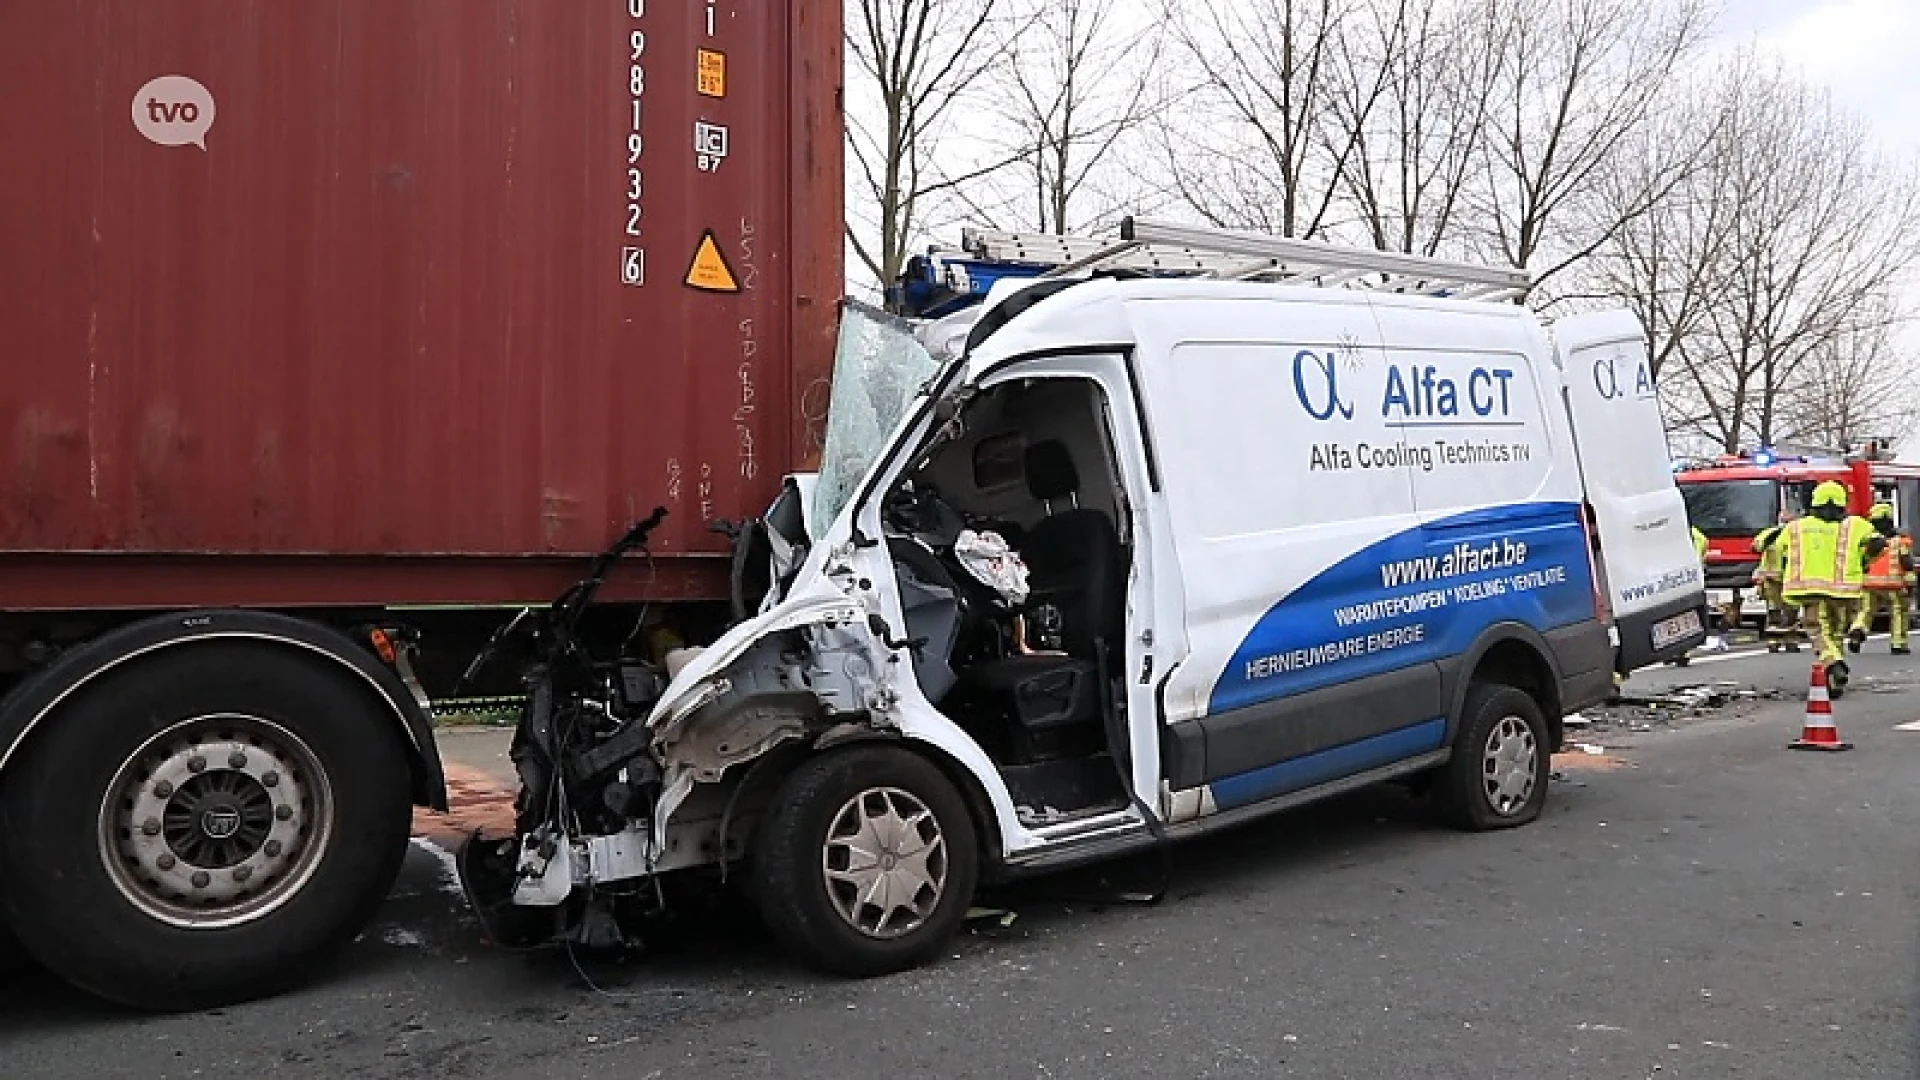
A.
pixel 1498 491
pixel 1283 508
pixel 1655 585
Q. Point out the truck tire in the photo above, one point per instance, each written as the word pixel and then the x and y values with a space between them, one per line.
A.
pixel 855 826
pixel 202 826
pixel 1498 774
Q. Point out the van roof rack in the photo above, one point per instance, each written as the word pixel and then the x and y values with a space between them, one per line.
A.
pixel 944 280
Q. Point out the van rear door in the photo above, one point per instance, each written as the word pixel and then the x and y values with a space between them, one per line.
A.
pixel 1652 574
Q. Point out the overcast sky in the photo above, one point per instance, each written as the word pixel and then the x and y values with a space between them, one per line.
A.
pixel 1867 51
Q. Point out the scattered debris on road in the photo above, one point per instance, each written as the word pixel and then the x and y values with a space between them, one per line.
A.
pixel 1642 712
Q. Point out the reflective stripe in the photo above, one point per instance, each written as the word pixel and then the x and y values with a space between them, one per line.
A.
pixel 1884 573
pixel 1773 554
pixel 1823 557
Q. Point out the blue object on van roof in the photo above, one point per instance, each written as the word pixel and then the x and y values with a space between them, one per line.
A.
pixel 942 282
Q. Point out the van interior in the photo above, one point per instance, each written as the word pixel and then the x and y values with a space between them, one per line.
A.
pixel 1036 684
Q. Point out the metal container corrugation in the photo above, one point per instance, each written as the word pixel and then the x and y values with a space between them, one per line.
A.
pixel 380 338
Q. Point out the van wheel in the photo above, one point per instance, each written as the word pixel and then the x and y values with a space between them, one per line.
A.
pixel 13 958
pixel 865 861
pixel 1497 776
pixel 203 826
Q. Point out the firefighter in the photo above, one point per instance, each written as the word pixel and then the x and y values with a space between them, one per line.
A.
pixel 1826 569
pixel 1782 619
pixel 1730 614
pixel 1889 577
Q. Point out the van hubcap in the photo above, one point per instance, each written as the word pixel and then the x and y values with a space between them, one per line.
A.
pixel 885 862
pixel 216 822
pixel 1509 765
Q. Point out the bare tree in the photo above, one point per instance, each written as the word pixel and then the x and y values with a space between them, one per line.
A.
pixel 1661 258
pixel 913 62
pixel 1855 389
pixel 1414 80
pixel 1579 78
pixel 1247 148
pixel 1812 233
pixel 1078 80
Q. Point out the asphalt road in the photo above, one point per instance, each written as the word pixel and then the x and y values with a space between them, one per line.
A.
pixel 1697 902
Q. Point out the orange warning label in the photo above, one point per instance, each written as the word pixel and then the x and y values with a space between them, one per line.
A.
pixel 710 73
pixel 710 270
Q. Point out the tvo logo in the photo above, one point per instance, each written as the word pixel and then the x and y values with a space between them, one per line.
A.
pixel 1316 382
pixel 1611 383
pixel 174 110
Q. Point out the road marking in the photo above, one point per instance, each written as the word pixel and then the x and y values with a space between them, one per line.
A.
pixel 1808 649
pixel 1717 658
pixel 1911 725
pixel 449 866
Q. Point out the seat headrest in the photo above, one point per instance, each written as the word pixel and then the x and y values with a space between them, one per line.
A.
pixel 1050 471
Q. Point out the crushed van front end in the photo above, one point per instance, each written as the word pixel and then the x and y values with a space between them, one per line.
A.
pixel 609 814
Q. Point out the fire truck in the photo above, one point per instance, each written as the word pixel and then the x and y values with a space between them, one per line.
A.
pixel 1733 497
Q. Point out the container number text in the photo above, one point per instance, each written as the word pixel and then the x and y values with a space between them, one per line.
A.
pixel 633 255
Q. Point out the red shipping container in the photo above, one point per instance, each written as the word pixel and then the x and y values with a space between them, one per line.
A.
pixel 405 301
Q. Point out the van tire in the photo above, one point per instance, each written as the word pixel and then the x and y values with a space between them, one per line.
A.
pixel 338 771
pixel 1501 728
pixel 13 958
pixel 805 831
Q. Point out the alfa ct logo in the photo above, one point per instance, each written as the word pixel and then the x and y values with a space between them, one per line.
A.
pixel 1316 382
pixel 1422 393
pixel 1607 379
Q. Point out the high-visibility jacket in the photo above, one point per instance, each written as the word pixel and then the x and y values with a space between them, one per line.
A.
pixel 1887 571
pixel 1699 544
pixel 1773 554
pixel 1826 558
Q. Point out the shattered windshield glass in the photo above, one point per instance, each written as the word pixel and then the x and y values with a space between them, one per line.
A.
pixel 878 369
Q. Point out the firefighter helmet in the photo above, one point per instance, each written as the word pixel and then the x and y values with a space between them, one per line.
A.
pixel 1881 511
pixel 1830 493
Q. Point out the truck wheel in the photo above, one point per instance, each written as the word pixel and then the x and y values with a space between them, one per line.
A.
pixel 1497 776
pixel 203 826
pixel 865 861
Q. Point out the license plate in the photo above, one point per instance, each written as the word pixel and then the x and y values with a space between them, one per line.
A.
pixel 1677 628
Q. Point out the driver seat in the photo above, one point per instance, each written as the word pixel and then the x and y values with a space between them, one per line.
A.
pixel 1076 564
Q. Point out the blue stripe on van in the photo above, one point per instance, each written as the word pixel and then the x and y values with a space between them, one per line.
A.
pixel 1418 596
pixel 1328 765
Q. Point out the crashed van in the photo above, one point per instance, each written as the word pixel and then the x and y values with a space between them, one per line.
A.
pixel 1116 558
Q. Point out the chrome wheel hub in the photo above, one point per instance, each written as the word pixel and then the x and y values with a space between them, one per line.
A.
pixel 885 862
pixel 216 821
pixel 1509 765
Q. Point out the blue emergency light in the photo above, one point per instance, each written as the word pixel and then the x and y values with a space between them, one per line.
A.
pixel 943 281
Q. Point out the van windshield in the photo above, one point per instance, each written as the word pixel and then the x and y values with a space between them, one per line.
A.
pixel 879 369
pixel 1732 507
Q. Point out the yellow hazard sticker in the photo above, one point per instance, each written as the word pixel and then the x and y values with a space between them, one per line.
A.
pixel 710 73
pixel 709 270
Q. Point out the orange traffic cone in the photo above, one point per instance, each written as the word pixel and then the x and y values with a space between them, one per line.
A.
pixel 1819 732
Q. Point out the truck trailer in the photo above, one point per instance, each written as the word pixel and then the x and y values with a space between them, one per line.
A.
pixel 331 335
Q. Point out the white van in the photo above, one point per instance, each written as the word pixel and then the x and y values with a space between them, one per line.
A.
pixel 1280 541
